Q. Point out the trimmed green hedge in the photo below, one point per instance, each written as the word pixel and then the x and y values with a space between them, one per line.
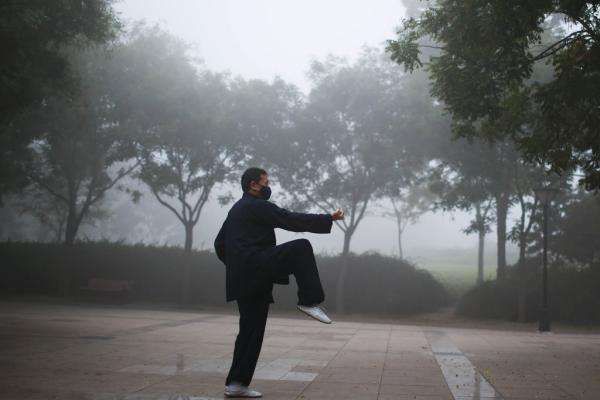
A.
pixel 374 283
pixel 573 293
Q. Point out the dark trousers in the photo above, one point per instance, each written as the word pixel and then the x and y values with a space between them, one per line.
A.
pixel 296 258
pixel 291 258
pixel 253 318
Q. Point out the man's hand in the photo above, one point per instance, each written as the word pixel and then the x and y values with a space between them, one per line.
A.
pixel 338 214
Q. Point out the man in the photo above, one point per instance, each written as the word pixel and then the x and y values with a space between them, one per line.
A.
pixel 246 245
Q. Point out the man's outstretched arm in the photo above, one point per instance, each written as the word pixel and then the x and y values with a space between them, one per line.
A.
pixel 269 213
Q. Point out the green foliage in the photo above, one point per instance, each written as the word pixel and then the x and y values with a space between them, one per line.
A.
pixel 33 38
pixel 578 237
pixel 487 55
pixel 360 133
pixel 78 144
pixel 375 284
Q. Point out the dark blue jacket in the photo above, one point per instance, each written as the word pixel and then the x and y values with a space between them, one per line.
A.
pixel 247 232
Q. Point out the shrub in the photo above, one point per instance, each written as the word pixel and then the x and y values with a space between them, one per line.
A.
pixel 374 283
pixel 573 294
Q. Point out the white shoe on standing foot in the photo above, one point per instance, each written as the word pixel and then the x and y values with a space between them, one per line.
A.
pixel 315 312
pixel 241 391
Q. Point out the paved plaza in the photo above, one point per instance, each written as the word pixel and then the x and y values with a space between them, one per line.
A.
pixel 53 351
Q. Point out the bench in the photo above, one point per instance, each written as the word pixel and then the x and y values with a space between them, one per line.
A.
pixel 113 291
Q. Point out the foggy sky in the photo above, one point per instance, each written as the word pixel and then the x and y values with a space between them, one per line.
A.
pixel 265 38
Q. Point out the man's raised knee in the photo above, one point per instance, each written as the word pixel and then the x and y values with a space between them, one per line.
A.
pixel 304 243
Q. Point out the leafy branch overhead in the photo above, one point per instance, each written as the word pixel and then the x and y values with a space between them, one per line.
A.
pixel 485 58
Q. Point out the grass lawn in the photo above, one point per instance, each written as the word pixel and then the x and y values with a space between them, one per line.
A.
pixel 457 268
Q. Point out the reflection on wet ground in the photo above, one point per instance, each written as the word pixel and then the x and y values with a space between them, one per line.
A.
pixel 461 376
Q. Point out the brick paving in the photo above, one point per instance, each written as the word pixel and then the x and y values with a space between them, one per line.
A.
pixel 51 351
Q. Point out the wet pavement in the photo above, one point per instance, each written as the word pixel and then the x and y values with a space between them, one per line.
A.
pixel 108 353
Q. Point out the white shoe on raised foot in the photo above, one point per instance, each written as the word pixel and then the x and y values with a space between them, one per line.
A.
pixel 238 390
pixel 315 312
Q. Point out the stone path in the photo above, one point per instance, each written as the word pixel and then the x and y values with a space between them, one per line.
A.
pixel 92 352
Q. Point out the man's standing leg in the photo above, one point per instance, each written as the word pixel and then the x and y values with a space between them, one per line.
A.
pixel 253 318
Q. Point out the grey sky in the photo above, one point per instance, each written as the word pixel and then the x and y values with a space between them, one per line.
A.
pixel 265 38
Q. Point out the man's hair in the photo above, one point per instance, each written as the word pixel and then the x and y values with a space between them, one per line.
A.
pixel 251 174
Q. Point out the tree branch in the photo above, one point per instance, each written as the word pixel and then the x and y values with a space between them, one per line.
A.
pixel 119 176
pixel 557 46
pixel 49 189
pixel 361 213
pixel 170 207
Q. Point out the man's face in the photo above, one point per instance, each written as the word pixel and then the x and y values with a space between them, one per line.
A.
pixel 264 181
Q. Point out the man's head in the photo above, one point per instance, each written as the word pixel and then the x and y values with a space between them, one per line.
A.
pixel 255 181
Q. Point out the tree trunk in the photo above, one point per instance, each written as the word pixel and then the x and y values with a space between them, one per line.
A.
pixel 341 281
pixel 67 267
pixel 189 237
pixel 347 238
pixel 501 213
pixel 399 223
pixel 72 226
pixel 522 244
pixel 480 223
pixel 522 295
pixel 186 272
pixel 480 249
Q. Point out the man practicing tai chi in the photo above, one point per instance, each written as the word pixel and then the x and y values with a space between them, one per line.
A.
pixel 246 245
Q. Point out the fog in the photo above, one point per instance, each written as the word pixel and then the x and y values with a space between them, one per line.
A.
pixel 374 188
pixel 264 39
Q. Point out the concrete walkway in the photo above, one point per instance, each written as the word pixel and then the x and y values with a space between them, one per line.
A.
pixel 93 352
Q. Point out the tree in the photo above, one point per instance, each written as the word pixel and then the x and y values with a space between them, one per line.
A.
pixel 52 213
pixel 485 99
pixel 35 65
pixel 79 141
pixel 180 114
pixel 407 207
pixel 177 111
pixel 464 178
pixel 480 73
pixel 527 178
pixel 189 157
pixel 416 127
pixel 340 152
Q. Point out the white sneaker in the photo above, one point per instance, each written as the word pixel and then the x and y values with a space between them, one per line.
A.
pixel 315 312
pixel 239 390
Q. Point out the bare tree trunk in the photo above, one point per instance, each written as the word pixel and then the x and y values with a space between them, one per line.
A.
pixel 480 223
pixel 71 228
pixel 480 249
pixel 189 237
pixel 70 234
pixel 400 251
pixel 399 223
pixel 522 295
pixel 186 273
pixel 341 281
pixel 347 238
pixel 501 213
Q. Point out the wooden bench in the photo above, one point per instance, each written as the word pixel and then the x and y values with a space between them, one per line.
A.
pixel 113 291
